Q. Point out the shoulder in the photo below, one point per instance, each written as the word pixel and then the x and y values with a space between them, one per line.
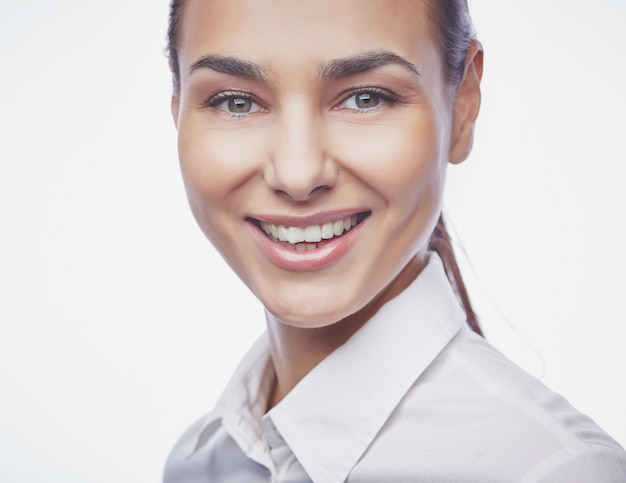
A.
pixel 474 412
pixel 182 463
pixel 505 387
pixel 571 446
pixel 594 463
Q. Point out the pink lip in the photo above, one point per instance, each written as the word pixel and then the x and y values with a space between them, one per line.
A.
pixel 327 254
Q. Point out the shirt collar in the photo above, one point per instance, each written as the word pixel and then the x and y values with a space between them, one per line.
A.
pixel 351 392
pixel 355 389
pixel 243 402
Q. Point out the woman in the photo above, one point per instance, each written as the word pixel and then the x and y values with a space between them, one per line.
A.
pixel 314 137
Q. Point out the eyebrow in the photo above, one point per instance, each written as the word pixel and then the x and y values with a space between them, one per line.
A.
pixel 347 66
pixel 331 70
pixel 229 65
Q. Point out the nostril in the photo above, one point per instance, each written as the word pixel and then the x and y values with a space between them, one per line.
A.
pixel 292 195
pixel 317 190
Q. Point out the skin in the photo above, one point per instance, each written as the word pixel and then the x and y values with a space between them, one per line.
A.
pixel 306 147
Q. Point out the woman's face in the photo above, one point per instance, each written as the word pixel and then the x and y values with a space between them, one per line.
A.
pixel 313 140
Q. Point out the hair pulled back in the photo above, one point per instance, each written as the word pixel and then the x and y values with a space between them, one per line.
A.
pixel 452 26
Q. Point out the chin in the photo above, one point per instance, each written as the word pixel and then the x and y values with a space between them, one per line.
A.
pixel 306 318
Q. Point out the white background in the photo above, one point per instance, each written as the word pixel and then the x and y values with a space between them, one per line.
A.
pixel 119 324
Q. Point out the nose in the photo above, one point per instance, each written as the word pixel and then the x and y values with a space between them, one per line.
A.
pixel 299 166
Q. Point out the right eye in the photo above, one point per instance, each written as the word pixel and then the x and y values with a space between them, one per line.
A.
pixel 236 103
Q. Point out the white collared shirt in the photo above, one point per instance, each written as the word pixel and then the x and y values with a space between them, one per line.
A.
pixel 413 396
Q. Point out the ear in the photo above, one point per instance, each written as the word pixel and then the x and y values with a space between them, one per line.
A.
pixel 175 105
pixel 467 105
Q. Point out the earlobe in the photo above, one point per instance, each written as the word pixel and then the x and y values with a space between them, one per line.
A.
pixel 467 105
pixel 175 105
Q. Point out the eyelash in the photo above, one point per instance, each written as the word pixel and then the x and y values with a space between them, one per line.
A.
pixel 386 96
pixel 216 99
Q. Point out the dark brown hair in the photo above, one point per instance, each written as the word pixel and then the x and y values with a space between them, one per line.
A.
pixel 452 25
pixel 173 34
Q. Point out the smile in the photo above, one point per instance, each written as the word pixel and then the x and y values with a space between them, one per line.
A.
pixel 311 237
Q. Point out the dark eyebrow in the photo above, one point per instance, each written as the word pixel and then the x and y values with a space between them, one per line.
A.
pixel 229 65
pixel 347 66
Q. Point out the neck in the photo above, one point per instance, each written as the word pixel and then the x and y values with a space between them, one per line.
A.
pixel 296 350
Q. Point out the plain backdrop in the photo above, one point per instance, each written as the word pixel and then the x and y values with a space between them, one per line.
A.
pixel 119 324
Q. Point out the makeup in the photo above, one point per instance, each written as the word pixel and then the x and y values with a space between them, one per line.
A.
pixel 307 244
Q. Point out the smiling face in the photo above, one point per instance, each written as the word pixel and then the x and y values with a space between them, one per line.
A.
pixel 313 141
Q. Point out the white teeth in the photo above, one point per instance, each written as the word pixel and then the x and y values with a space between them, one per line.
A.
pixel 282 233
pixel 294 236
pixel 313 233
pixel 328 231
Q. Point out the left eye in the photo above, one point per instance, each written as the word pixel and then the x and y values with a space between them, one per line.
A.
pixel 368 99
pixel 362 101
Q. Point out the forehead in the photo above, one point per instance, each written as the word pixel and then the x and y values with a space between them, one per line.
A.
pixel 283 34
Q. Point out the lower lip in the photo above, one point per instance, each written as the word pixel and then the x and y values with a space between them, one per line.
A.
pixel 288 259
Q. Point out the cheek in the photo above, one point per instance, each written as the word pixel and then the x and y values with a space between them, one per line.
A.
pixel 215 164
pixel 403 160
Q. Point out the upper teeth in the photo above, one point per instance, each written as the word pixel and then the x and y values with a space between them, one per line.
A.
pixel 312 234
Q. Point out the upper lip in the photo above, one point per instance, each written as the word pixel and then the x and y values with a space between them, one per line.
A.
pixel 307 220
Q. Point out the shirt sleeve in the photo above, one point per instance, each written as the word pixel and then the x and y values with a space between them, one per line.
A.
pixel 597 465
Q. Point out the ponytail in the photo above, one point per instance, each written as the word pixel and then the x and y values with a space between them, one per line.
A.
pixel 441 243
